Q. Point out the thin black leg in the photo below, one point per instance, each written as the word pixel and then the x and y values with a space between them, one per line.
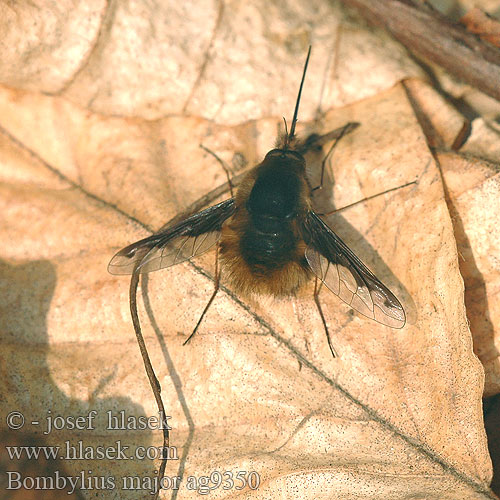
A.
pixel 368 198
pixel 318 305
pixel 226 170
pixel 330 151
pixel 216 289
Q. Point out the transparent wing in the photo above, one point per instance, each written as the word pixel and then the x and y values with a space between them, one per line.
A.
pixel 164 254
pixel 175 244
pixel 332 261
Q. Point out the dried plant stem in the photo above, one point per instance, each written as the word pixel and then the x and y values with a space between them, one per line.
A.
pixel 153 380
pixel 432 36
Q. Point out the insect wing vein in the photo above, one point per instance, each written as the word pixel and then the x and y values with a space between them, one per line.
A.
pixel 346 276
pixel 174 244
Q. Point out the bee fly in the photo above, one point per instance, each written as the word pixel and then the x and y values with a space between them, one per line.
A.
pixel 269 240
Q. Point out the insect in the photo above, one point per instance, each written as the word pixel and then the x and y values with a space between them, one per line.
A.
pixel 269 240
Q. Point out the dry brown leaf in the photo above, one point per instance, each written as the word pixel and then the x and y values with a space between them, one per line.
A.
pixel 479 22
pixel 397 415
pixel 484 141
pixel 442 124
pixel 226 61
pixel 470 183
pixel 474 194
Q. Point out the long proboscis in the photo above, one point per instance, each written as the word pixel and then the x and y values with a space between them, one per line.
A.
pixel 290 136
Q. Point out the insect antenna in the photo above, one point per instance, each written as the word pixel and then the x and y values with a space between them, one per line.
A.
pixel 286 127
pixel 290 136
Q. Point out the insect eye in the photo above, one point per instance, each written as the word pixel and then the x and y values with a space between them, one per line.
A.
pixel 275 152
pixel 285 154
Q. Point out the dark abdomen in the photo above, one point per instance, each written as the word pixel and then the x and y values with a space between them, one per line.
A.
pixel 268 251
pixel 256 263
